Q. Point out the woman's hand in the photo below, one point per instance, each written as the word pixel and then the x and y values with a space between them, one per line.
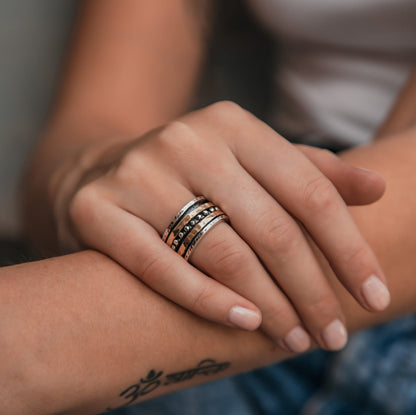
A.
pixel 119 197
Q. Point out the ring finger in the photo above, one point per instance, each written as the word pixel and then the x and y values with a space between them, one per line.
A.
pixel 282 247
pixel 224 256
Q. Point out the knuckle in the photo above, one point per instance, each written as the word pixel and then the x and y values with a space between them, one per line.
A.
pixel 325 153
pixel 230 260
pixel 278 234
pixel 84 204
pixel 319 195
pixel 170 144
pixel 279 318
pixel 324 308
pixel 153 268
pixel 357 258
pixel 326 157
pixel 316 154
pixel 130 164
pixel 281 234
pixel 232 263
pixel 180 146
pixel 225 110
pixel 203 300
pixel 176 136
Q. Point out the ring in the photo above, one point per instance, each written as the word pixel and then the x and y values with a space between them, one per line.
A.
pixel 190 224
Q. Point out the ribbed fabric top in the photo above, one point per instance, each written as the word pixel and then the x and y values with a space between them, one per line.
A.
pixel 341 64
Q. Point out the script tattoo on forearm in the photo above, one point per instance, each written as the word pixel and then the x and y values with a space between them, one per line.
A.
pixel 156 379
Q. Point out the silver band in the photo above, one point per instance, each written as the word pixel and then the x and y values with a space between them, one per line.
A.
pixel 182 245
pixel 202 232
pixel 190 224
pixel 202 209
pixel 177 217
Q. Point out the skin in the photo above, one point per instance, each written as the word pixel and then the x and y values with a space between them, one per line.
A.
pixel 78 330
pixel 403 115
pixel 93 183
pixel 50 305
pixel 163 161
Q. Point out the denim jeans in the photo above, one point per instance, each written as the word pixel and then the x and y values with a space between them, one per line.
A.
pixel 374 375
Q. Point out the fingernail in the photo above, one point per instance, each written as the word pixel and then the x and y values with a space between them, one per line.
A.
pixel 244 318
pixel 376 293
pixel 335 335
pixel 297 340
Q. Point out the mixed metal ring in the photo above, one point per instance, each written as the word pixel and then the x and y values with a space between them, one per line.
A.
pixel 191 223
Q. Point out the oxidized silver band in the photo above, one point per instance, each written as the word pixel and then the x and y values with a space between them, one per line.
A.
pixel 202 232
pixel 190 224
pixel 180 214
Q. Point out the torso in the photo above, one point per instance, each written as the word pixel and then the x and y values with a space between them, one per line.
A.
pixel 341 64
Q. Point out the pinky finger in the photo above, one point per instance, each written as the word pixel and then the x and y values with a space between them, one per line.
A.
pixel 138 247
pixel 357 186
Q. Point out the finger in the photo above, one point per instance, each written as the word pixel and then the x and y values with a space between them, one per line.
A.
pixel 309 196
pixel 227 258
pixel 224 256
pixel 138 247
pixel 280 244
pixel 357 186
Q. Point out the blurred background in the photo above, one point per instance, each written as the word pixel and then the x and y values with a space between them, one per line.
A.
pixel 33 38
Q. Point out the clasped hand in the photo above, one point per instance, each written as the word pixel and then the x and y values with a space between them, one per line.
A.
pixel 259 270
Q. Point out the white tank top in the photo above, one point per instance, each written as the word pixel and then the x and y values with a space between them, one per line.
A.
pixel 341 64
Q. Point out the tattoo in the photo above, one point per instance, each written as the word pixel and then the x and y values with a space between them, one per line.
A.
pixel 155 379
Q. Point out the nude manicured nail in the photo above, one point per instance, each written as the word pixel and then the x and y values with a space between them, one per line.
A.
pixel 244 318
pixel 376 293
pixel 297 340
pixel 335 335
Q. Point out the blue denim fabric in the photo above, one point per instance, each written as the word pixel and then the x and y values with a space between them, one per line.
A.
pixel 374 375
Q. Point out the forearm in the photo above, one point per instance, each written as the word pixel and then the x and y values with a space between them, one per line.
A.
pixel 82 330
pixel 132 66
pixel 390 224
pixel 78 330
pixel 403 115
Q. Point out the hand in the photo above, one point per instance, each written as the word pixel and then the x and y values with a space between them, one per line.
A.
pixel 120 197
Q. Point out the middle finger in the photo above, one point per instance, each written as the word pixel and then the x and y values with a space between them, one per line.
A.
pixel 282 247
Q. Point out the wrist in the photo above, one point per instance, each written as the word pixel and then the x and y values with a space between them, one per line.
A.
pixel 64 154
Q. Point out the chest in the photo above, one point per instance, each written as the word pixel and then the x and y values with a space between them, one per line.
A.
pixel 377 25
